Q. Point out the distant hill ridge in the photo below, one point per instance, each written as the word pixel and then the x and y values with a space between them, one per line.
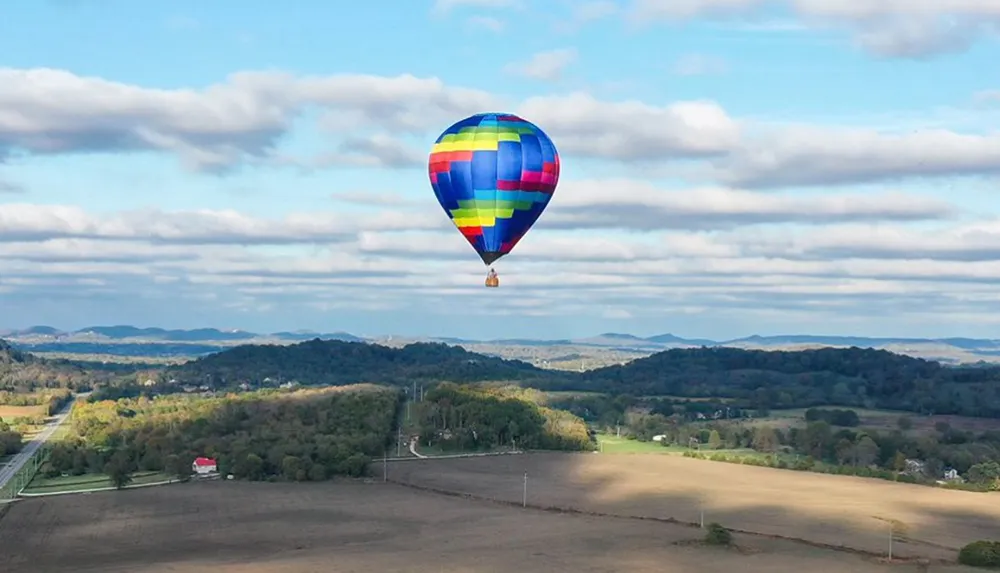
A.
pixel 859 377
pixel 123 332
pixel 125 340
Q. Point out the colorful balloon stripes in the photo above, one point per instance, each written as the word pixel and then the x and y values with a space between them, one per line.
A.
pixel 494 174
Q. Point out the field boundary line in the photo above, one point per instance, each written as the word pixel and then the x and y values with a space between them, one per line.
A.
pixel 96 489
pixel 455 456
pixel 667 520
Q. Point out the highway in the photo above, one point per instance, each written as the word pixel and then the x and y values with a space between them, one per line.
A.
pixel 8 471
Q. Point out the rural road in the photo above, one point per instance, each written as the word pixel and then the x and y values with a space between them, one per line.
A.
pixel 8 471
pixel 413 450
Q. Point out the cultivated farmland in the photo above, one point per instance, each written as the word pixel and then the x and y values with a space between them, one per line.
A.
pixel 9 413
pixel 231 527
pixel 827 509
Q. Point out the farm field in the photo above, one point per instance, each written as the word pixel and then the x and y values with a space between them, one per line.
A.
pixel 41 484
pixel 881 419
pixel 8 413
pixel 244 527
pixel 827 509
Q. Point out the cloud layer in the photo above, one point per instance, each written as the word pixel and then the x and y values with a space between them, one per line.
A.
pixel 676 208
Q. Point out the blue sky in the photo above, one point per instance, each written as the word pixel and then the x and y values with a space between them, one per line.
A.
pixel 729 166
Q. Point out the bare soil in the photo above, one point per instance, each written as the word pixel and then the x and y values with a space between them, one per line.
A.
pixel 839 511
pixel 234 527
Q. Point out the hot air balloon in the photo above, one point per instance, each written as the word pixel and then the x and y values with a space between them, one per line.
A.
pixel 493 174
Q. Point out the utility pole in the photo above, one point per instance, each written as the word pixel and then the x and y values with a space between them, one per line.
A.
pixel 890 540
pixel 524 495
pixel 385 466
pixel 399 440
pixel 701 510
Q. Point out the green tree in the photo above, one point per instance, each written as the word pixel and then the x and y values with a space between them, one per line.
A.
pixel 898 463
pixel 716 534
pixel 764 439
pixel 985 473
pixel 119 469
pixel 866 452
pixel 845 451
pixel 714 440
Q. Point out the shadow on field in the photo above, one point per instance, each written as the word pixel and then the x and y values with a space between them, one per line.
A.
pixel 836 512
pixel 350 526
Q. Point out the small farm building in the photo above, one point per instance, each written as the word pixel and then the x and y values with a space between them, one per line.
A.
pixel 204 466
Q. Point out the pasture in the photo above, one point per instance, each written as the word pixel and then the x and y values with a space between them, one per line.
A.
pixel 231 527
pixel 827 509
pixel 42 484
pixel 881 420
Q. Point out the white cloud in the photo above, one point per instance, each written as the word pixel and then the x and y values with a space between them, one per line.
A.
pixel 699 65
pixel 633 130
pixel 10 188
pixel 620 244
pixel 386 122
pixel 446 6
pixel 804 270
pixel 809 155
pixel 986 97
pixel 633 205
pixel 545 66
pixel 45 111
pixel 584 12
pixel 892 28
pixel 30 222
pixel 492 24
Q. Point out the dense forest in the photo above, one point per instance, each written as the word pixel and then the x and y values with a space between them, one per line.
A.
pixel 778 379
pixel 301 435
pixel 334 362
pixel 750 379
pixel 481 417
pixel 10 440
pixel 22 373
pixel 823 447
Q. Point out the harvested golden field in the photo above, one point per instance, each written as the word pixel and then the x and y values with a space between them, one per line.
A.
pixel 827 509
pixel 232 527
pixel 8 413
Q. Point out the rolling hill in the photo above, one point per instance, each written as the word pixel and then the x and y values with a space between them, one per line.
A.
pixel 603 349
pixel 335 362
pixel 759 379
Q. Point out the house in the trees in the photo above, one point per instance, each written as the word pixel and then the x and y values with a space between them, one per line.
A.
pixel 204 466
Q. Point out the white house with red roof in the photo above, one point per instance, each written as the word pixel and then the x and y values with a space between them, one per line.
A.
pixel 204 466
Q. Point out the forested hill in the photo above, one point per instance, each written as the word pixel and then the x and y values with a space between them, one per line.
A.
pixel 21 372
pixel 776 379
pixel 752 378
pixel 333 362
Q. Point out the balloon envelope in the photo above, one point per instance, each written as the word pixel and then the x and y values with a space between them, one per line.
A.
pixel 494 174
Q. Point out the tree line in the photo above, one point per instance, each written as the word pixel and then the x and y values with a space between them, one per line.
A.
pixel 300 435
pixel 483 417
pixel 826 447
pixel 763 380
pixel 335 362
pixel 270 434
pixel 752 380
pixel 11 441
pixel 24 375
